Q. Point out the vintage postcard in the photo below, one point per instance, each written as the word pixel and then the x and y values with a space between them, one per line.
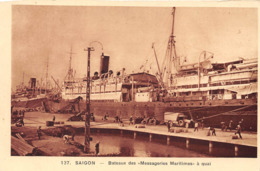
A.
pixel 98 85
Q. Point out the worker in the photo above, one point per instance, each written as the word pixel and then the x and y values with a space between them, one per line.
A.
pixel 66 139
pixel 53 118
pixel 187 126
pixel 230 125
pixel 196 126
pixel 22 122
pixel 116 118
pixel 241 124
pixel 169 126
pixel 202 124
pixel 238 131
pixel 222 126
pixel 131 120
pixel 213 131
pixel 93 117
pixel 208 133
pixel 121 123
pixel 97 148
pixel 39 132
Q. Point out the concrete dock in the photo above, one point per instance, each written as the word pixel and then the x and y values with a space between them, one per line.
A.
pixel 35 119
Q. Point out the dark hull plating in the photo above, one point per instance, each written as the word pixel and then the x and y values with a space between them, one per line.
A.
pixel 211 112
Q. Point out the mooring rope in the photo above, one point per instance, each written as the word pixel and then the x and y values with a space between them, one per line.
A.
pixel 225 112
pixel 203 118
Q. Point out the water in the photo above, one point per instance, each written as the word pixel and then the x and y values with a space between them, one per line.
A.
pixel 111 143
pixel 140 147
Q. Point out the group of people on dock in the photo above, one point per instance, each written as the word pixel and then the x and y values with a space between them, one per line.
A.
pixel 211 130
pixel 20 112
pixel 17 117
pixel 230 127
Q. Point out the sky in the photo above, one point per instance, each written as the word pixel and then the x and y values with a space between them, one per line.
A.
pixel 47 33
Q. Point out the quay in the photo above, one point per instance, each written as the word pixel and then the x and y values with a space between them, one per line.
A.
pixel 153 132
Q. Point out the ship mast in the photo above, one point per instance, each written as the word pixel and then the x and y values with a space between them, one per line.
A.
pixel 70 75
pixel 172 37
pixel 171 55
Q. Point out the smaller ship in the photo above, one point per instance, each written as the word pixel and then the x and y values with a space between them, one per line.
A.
pixel 112 87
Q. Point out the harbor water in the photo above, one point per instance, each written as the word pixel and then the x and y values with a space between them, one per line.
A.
pixel 115 145
pixel 129 147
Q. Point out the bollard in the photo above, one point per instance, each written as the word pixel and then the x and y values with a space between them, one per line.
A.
pixel 168 140
pixel 210 147
pixel 150 137
pixel 187 143
pixel 134 135
pixel 236 150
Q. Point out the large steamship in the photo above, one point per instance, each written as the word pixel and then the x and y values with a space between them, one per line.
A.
pixel 214 92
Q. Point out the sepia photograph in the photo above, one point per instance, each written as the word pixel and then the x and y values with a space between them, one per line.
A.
pixel 134 81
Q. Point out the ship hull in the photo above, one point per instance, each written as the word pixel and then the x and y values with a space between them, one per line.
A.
pixel 29 104
pixel 211 112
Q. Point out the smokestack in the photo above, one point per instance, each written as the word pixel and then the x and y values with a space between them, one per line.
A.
pixel 104 64
pixel 33 82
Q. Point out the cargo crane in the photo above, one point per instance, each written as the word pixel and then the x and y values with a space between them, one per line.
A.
pixel 160 74
pixel 70 108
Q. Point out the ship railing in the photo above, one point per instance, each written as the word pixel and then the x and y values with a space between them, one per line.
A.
pixel 106 81
pixel 203 97
pixel 221 96
pixel 110 78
